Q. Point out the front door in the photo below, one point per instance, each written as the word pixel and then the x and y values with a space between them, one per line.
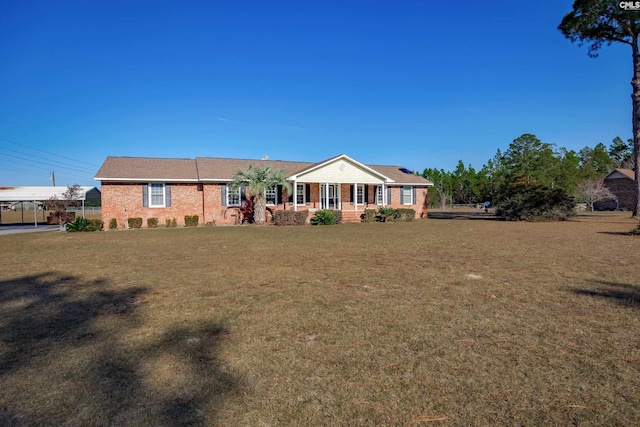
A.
pixel 329 197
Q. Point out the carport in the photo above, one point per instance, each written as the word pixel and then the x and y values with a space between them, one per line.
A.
pixel 39 195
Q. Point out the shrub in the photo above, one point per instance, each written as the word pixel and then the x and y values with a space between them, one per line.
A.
pixel 134 222
pixel 152 222
pixel 369 215
pixel 290 217
pixel 534 202
pixel 396 215
pixel 386 214
pixel 325 217
pixel 246 211
pixel 80 224
pixel 405 215
pixel 113 224
pixel 97 224
pixel 191 220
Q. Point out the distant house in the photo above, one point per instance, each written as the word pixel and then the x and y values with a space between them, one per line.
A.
pixel 621 183
pixel 172 188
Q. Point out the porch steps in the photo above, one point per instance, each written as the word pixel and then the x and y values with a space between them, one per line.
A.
pixel 351 216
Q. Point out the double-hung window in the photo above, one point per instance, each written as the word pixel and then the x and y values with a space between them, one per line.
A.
pixel 407 195
pixel 156 195
pixel 233 196
pixel 300 194
pixel 360 194
pixel 271 195
pixel 379 195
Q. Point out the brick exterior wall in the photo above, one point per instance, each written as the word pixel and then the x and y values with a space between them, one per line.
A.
pixel 123 201
pixel 623 189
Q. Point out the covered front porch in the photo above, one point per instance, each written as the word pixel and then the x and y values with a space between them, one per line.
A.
pixel 340 183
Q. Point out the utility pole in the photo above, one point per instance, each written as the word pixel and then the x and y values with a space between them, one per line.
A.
pixel 52 177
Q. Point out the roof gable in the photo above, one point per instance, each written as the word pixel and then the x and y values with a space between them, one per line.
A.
pixel 340 169
pixel 621 174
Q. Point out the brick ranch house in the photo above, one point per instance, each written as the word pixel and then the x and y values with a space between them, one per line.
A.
pixel 172 188
pixel 620 183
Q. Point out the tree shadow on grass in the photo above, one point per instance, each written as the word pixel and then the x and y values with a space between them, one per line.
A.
pixel 480 215
pixel 76 352
pixel 620 233
pixel 621 293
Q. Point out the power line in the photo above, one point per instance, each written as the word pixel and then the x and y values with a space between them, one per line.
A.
pixel 46 163
pixel 43 173
pixel 49 153
pixel 43 158
pixel 20 170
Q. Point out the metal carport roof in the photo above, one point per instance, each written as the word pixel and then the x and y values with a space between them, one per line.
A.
pixel 30 194
pixel 39 194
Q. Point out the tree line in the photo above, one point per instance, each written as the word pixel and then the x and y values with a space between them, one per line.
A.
pixel 529 161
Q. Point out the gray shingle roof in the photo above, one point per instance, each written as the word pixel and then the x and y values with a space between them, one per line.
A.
pixel 213 168
pixel 147 168
pixel 629 173
pixel 217 169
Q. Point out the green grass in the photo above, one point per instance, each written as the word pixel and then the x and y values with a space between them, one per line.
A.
pixel 437 322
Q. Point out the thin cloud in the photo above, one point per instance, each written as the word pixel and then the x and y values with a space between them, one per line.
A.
pixel 222 119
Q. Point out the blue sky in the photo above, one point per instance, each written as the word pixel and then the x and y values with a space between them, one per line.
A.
pixel 412 83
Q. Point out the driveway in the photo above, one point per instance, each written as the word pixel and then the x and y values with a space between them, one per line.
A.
pixel 26 228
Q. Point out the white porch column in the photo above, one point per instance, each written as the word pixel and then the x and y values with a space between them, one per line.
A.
pixel 83 209
pixel 295 195
pixel 326 195
pixel 384 195
pixel 35 215
pixel 355 196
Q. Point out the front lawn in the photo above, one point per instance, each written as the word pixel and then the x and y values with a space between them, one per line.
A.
pixel 436 322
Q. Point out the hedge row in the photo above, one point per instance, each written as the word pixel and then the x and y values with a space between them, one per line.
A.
pixel 290 217
pixel 388 215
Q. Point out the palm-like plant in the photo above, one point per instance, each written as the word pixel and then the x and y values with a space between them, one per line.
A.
pixel 258 180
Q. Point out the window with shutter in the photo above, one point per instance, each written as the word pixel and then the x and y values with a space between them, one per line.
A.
pixel 407 193
pixel 233 196
pixel 271 196
pixel 379 195
pixel 359 194
pixel 156 195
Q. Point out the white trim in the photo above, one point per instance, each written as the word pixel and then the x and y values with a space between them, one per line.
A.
pixel 304 194
pixel 355 196
pixel 410 195
pixel 335 159
pixel 239 190
pixel 150 195
pixel 275 193
pixel 336 196
pixel 375 195
pixel 146 180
